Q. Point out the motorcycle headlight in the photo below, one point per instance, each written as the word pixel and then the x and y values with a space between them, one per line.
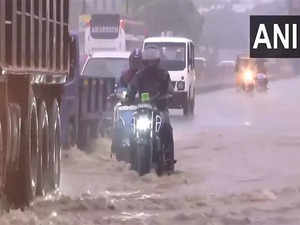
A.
pixel 180 85
pixel 248 76
pixel 143 123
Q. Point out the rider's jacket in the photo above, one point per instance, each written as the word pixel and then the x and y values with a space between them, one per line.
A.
pixel 126 77
pixel 153 80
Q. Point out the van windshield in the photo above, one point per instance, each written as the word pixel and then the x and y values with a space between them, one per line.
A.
pixel 173 55
pixel 105 67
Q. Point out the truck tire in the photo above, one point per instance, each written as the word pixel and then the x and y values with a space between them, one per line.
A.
pixel 43 156
pixel 26 176
pixel 30 156
pixel 54 145
pixel 2 160
pixel 14 156
pixel 6 131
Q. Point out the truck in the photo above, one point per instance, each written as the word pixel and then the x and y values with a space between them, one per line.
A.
pixel 84 104
pixel 35 62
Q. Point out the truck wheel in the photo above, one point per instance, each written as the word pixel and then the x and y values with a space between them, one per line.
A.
pixel 26 176
pixel 2 160
pixel 54 145
pixel 6 131
pixel 30 165
pixel 15 112
pixel 12 159
pixel 43 156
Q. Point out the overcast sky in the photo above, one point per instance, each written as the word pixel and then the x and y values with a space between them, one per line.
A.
pixel 248 4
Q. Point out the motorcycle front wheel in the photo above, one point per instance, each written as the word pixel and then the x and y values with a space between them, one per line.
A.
pixel 143 159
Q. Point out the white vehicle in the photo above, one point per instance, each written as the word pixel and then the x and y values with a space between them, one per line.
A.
pixel 177 56
pixel 106 64
pixel 104 34
pixel 108 32
pixel 95 45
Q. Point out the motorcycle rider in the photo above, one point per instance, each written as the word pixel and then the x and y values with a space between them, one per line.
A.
pixel 135 64
pixel 119 133
pixel 155 81
pixel 262 71
pixel 243 64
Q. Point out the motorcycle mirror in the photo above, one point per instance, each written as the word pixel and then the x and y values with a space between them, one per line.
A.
pixel 121 94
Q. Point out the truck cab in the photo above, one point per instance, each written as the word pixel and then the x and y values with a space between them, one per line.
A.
pixel 177 57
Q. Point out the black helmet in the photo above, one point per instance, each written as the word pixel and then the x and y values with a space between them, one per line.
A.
pixel 135 59
pixel 151 57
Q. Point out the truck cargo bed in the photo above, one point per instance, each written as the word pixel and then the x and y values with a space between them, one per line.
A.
pixel 34 36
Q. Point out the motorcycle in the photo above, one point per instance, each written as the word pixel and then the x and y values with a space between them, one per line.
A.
pixel 122 126
pixel 248 81
pixel 147 148
pixel 261 82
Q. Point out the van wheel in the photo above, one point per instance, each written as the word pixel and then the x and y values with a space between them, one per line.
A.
pixel 192 105
pixel 43 156
pixel 55 146
pixel 186 108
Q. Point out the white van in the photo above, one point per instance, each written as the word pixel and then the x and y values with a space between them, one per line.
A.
pixel 177 56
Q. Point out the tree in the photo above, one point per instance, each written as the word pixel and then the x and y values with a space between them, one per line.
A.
pixel 226 29
pixel 178 16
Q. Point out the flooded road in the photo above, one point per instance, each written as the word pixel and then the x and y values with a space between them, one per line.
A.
pixel 238 163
